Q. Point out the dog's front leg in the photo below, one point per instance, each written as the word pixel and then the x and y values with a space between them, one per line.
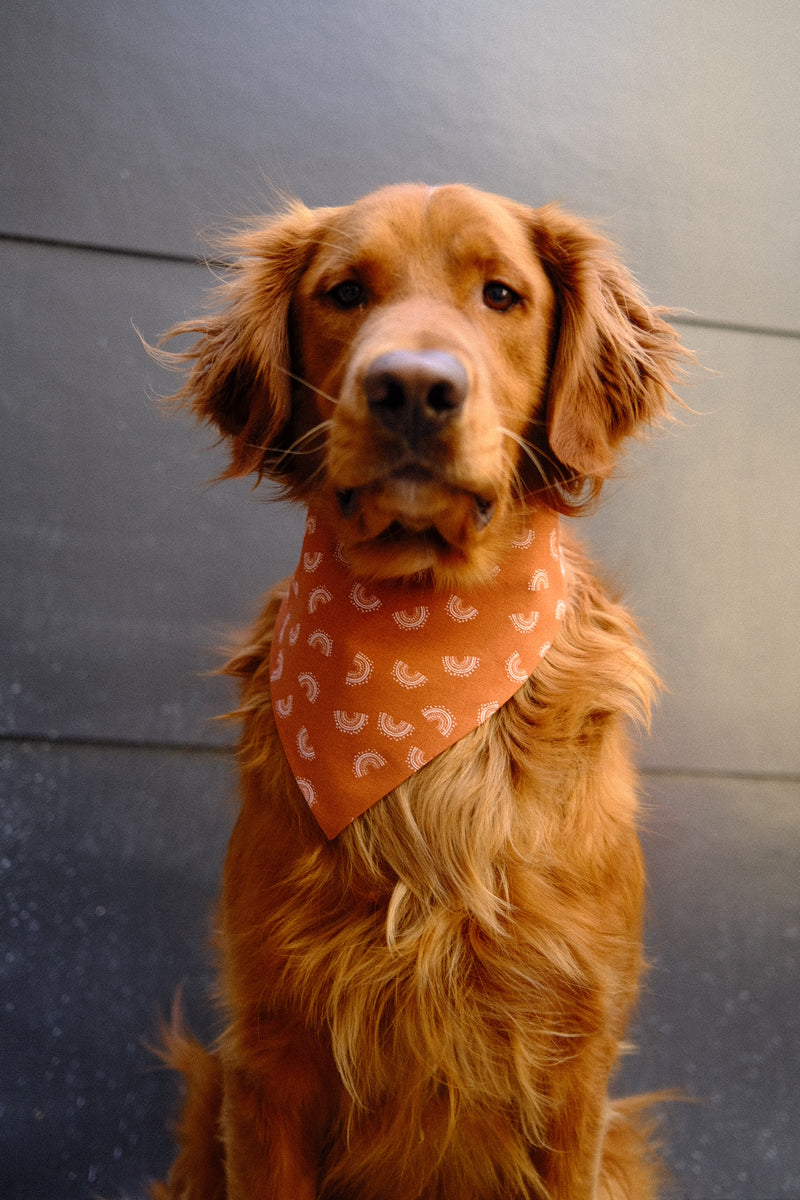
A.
pixel 598 1149
pixel 274 1120
pixel 571 1165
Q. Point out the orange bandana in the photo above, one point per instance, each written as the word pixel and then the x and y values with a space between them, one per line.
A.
pixel 370 681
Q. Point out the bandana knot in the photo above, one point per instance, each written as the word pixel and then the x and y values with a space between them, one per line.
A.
pixel 370 681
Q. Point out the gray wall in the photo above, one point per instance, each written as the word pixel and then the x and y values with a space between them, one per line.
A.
pixel 130 128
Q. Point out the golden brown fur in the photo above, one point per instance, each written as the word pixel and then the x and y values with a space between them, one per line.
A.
pixel 430 1005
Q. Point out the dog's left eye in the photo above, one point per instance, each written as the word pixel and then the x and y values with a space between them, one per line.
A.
pixel 500 296
pixel 348 294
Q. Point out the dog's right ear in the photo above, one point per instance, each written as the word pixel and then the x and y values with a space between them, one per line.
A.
pixel 240 377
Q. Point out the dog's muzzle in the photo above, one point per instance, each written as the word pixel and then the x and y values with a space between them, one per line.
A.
pixel 416 393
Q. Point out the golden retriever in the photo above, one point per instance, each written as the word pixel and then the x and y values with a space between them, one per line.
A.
pixel 429 1003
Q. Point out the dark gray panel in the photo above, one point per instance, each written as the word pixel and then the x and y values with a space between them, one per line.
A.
pixel 121 570
pixel 702 531
pixel 138 124
pixel 721 1017
pixel 110 866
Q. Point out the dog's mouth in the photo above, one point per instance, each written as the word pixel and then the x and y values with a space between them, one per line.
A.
pixel 412 518
pixel 349 499
pixel 412 502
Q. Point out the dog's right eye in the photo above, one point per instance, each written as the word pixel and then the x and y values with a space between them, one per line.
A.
pixel 348 294
pixel 500 296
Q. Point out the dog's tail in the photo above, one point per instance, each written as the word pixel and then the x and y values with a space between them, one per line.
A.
pixel 198 1172
pixel 631 1168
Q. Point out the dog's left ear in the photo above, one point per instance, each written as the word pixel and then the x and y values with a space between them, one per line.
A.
pixel 614 360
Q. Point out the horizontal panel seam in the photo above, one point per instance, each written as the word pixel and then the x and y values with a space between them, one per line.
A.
pixel 226 749
pixel 695 322
pixel 719 773
pixel 100 248
pixel 677 318
pixel 127 744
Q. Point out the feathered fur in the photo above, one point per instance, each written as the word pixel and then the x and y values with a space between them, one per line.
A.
pixel 431 1005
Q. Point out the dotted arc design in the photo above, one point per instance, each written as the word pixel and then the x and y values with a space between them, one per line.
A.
pixel 309 684
pixel 391 728
pixel 407 677
pixel 459 610
pixel 350 722
pixel 360 670
pixel 321 641
pixel 367 761
pixel 515 668
pixel 304 746
pixel 524 623
pixel 415 619
pixel 318 597
pixel 363 600
pixel 307 790
pixel 460 667
pixel 441 717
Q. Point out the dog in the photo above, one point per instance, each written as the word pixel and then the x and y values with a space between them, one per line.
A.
pixel 429 948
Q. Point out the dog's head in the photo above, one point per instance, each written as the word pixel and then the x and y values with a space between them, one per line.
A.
pixel 425 363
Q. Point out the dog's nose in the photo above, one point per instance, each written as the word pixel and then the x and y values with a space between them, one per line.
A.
pixel 416 392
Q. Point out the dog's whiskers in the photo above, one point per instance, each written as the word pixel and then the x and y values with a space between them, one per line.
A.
pixel 318 430
pixel 527 449
pixel 294 450
pixel 537 457
pixel 307 383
